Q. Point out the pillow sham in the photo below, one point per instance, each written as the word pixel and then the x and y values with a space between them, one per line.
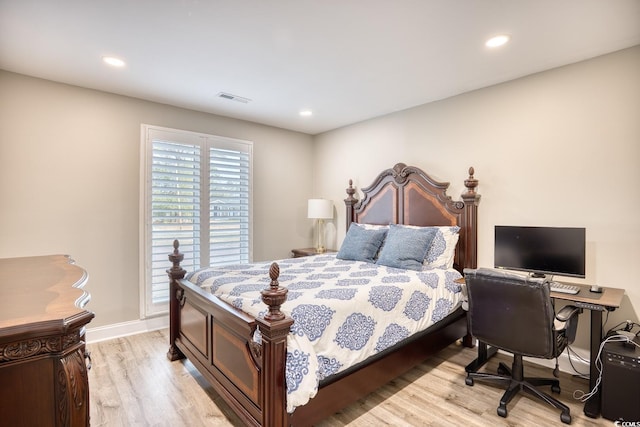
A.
pixel 406 247
pixel 442 252
pixel 361 244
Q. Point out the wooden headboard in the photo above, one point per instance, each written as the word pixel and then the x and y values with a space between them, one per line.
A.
pixel 407 195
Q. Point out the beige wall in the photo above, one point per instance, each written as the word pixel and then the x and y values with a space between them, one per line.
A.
pixel 559 148
pixel 70 182
pixel 556 148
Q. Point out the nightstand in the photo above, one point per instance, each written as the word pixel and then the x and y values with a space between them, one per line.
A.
pixel 297 253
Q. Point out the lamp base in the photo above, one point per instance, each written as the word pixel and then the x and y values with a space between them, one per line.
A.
pixel 320 249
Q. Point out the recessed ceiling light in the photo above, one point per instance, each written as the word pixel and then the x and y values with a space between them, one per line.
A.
pixel 113 61
pixel 306 113
pixel 497 41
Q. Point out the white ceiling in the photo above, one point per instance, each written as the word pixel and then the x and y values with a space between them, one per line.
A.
pixel 347 60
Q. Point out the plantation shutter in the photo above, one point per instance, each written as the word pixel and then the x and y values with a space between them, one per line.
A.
pixel 198 191
pixel 175 210
pixel 229 207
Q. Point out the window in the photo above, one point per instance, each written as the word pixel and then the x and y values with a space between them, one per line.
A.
pixel 197 189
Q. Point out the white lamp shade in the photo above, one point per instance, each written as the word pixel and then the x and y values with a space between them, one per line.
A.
pixel 320 209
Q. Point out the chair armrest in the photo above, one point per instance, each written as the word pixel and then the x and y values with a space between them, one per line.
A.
pixel 568 318
pixel 567 312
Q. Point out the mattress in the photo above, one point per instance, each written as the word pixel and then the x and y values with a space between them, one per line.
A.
pixel 344 311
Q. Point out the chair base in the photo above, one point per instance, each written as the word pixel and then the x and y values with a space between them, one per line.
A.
pixel 516 382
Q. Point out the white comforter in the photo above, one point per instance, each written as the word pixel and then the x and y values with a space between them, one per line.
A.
pixel 343 311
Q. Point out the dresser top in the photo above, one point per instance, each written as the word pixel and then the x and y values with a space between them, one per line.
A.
pixel 41 293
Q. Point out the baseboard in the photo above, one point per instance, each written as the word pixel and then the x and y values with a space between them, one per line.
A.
pixel 579 367
pixel 117 330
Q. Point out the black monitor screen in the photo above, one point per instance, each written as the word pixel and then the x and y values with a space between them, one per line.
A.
pixel 541 250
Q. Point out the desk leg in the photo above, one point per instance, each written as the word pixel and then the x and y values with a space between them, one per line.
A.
pixel 592 406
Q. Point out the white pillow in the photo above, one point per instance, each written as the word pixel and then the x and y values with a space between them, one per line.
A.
pixel 442 252
pixel 373 226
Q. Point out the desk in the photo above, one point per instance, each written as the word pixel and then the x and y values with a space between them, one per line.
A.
pixel 608 300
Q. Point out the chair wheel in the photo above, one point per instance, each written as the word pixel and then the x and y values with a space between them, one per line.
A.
pixel 565 417
pixel 468 381
pixel 502 411
pixel 555 389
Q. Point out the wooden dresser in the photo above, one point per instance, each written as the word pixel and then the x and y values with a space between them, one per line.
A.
pixel 43 373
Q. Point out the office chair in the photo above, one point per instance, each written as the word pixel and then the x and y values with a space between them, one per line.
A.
pixel 516 314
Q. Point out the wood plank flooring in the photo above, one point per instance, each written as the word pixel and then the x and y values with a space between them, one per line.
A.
pixel 132 384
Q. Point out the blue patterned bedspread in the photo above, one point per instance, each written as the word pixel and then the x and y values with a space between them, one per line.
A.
pixel 343 311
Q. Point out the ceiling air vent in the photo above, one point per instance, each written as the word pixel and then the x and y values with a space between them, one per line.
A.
pixel 225 95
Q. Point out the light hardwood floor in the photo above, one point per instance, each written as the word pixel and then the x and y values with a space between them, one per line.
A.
pixel 133 384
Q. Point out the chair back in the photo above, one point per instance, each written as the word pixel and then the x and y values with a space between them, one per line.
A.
pixel 511 312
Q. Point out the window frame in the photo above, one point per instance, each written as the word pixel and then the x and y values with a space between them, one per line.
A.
pixel 206 141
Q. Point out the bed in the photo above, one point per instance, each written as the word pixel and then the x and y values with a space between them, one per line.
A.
pixel 243 343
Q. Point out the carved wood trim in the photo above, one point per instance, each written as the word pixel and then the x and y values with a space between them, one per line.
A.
pixel 25 349
pixel 72 389
pixel 400 181
pixel 255 349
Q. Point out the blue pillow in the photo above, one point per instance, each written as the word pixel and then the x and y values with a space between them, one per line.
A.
pixel 406 247
pixel 361 244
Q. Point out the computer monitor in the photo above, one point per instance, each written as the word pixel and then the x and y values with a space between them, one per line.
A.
pixel 541 250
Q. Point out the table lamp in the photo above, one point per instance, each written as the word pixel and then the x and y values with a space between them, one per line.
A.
pixel 320 209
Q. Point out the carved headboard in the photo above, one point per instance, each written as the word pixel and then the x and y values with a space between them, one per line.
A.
pixel 408 195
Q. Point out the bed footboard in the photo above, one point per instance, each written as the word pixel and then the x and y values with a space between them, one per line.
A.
pixel 218 340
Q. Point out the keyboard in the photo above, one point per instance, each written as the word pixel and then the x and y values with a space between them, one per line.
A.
pixel 564 288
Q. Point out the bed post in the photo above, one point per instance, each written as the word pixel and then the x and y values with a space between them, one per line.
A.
pixel 349 202
pixel 175 273
pixel 274 329
pixel 471 199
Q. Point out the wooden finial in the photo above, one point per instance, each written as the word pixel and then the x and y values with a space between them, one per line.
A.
pixel 349 203
pixel 176 272
pixel 274 296
pixel 350 191
pixel 471 183
pixel 274 273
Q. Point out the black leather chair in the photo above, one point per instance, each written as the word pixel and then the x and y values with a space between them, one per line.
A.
pixel 516 314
